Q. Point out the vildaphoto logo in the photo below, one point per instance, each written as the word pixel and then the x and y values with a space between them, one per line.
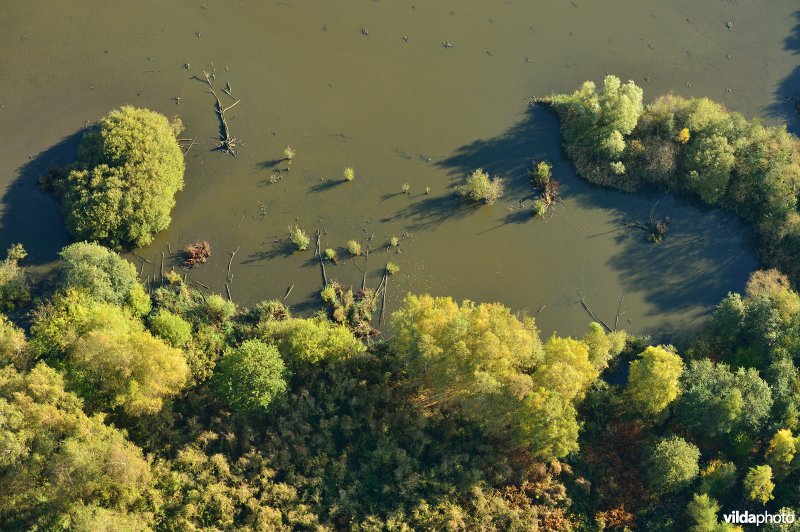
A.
pixel 747 518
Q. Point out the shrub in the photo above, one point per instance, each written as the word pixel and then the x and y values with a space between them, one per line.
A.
pixel 299 238
pixel 392 268
pixel 122 189
pixel 683 136
pixel 480 187
pixel 250 377
pixel 330 255
pixel 354 247
pixel 349 174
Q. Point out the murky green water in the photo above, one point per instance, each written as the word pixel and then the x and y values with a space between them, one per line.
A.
pixel 398 111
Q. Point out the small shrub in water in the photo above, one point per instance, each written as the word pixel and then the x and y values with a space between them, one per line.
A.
pixel 394 241
pixel 349 174
pixel 354 248
pixel 330 254
pixel 392 268
pixel 480 187
pixel 539 207
pixel 289 153
pixel 299 238
pixel 406 188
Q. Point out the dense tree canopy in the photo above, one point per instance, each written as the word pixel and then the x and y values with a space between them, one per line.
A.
pixel 122 189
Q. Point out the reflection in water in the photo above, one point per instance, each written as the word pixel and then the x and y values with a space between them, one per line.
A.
pixel 398 111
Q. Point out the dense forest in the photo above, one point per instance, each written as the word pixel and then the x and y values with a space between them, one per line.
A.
pixel 165 407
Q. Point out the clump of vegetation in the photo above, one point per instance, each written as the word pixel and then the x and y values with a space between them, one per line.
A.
pixel 688 146
pixel 196 254
pixel 349 174
pixel 394 241
pixel 353 309
pixel 539 207
pixel 406 188
pixel 122 188
pixel 427 190
pixel 331 255
pixel 480 187
pixel 299 238
pixel 542 177
pixel 354 248
pixel 288 155
pixel 392 268
pixel 15 284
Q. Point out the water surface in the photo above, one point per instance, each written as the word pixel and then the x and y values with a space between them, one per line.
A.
pixel 398 111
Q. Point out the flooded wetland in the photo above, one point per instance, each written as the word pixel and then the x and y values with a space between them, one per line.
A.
pixel 413 97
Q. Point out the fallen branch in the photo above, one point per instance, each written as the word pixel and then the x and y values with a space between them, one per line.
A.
pixel 144 259
pixel 227 140
pixel 228 290
pixel 288 291
pixel 595 318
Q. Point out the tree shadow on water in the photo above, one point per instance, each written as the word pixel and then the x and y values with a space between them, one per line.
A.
pixel 706 253
pixel 787 93
pixel 30 215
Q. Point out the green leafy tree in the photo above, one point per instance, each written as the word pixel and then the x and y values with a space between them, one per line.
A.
pixel 15 284
pixel 654 380
pixel 250 377
pixel 104 274
pixel 703 512
pixel 781 452
pixel 123 186
pixel 171 327
pixel 711 403
pixel 709 164
pixel 119 364
pixel 672 465
pixel 311 341
pixel 603 347
pixel 14 349
pixel 600 119
pixel 758 484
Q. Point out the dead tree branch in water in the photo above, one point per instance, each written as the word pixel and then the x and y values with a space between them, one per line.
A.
pixel 288 291
pixel 586 307
pixel 383 302
pixel 235 251
pixel 656 229
pixel 619 309
pixel 318 252
pixel 227 140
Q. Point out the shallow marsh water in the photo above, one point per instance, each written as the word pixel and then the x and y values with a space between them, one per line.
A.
pixel 398 111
